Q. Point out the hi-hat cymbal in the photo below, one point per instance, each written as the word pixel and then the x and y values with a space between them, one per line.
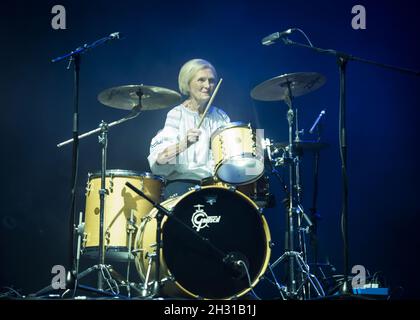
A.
pixel 303 145
pixel 127 97
pixel 276 89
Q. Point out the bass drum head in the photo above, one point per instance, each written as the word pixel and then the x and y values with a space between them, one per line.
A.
pixel 235 230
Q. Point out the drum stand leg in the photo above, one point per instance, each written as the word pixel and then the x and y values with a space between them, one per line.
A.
pixel 111 277
pixel 80 230
pixel 131 228
pixel 145 291
pixel 305 272
pixel 157 283
pixel 292 157
pixel 104 271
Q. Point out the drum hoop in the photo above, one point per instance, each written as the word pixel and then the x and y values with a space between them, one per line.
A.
pixel 222 162
pixel 174 202
pixel 218 187
pixel 126 173
pixel 228 126
pixel 266 231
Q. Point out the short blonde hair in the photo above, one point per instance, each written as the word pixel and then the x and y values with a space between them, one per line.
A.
pixel 188 71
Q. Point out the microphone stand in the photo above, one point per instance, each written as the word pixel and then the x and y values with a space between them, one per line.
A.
pixel 314 214
pixel 75 56
pixel 101 268
pixel 342 59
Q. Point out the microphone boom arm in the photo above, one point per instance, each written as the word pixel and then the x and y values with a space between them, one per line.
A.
pixel 349 57
pixel 86 47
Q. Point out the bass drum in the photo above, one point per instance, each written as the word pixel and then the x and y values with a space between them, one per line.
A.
pixel 237 244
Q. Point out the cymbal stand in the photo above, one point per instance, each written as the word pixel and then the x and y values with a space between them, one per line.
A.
pixel 295 211
pixel 107 272
pixel 299 210
pixel 145 291
pixel 315 215
pixel 104 271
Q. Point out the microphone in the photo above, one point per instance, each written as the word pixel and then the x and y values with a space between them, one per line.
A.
pixel 316 121
pixel 272 38
pixel 114 35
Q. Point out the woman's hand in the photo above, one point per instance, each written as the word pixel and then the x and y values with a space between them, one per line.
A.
pixel 172 151
pixel 192 136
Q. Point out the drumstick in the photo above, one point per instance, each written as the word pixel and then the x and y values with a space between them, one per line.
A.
pixel 209 103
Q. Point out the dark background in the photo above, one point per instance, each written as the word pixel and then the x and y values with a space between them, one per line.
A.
pixel 36 105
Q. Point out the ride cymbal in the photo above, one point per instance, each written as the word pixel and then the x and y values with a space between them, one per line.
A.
pixel 277 88
pixel 127 97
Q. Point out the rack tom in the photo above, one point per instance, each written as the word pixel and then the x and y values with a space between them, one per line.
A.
pixel 238 154
pixel 123 212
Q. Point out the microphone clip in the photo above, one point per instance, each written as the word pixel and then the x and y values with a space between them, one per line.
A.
pixel 237 264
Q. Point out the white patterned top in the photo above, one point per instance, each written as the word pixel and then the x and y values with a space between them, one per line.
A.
pixel 196 162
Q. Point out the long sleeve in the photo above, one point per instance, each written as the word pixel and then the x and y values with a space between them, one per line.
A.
pixel 196 162
pixel 169 135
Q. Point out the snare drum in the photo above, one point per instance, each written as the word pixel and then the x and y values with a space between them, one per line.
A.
pixel 237 153
pixel 234 230
pixel 121 205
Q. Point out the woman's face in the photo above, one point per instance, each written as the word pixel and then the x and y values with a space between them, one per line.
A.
pixel 201 85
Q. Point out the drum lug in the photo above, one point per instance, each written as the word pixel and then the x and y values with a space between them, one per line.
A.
pixel 261 210
pixel 170 278
pixel 253 139
pixel 88 185
pixel 84 240
pixel 147 217
pixel 222 146
pixel 107 237
pixel 172 196
pixel 196 188
pixel 271 244
pixel 232 188
pixel 111 183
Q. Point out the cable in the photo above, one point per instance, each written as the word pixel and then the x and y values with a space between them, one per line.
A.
pixel 281 288
pixel 8 293
pixel 249 279
pixel 309 41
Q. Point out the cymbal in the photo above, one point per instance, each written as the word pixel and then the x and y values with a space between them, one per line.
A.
pixel 276 89
pixel 126 97
pixel 303 145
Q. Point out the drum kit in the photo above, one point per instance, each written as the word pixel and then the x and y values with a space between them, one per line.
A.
pixel 213 242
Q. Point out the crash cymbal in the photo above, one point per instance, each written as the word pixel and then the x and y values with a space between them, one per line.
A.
pixel 126 97
pixel 303 145
pixel 276 89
